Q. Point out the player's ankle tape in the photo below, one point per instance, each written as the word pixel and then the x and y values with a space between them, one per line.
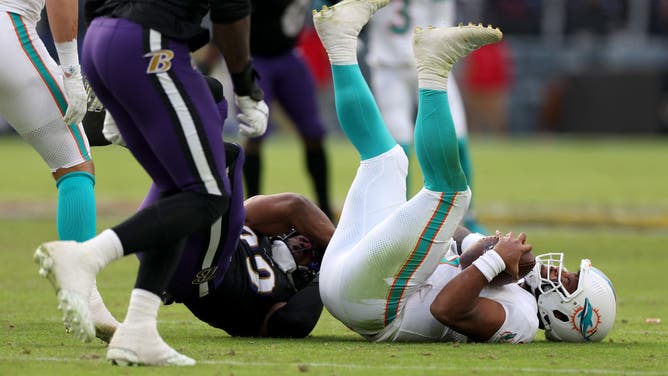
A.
pixel 490 264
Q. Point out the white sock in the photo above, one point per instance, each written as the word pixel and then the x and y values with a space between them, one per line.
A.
pixel 433 82
pixel 105 248
pixel 434 77
pixel 343 52
pixel 143 308
pixel 99 310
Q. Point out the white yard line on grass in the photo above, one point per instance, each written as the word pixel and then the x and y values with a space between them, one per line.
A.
pixel 550 370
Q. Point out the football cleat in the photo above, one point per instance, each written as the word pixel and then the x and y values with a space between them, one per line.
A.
pixel 142 346
pixel 436 49
pixel 104 321
pixel 338 27
pixel 63 264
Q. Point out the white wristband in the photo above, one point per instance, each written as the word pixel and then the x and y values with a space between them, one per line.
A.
pixel 490 264
pixel 68 53
pixel 470 239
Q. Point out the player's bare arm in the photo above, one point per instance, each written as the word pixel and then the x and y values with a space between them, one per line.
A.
pixel 281 213
pixel 63 15
pixel 232 39
pixel 64 18
pixel 459 306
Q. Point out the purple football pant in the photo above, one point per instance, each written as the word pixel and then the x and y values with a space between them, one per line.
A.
pixel 286 78
pixel 163 107
pixel 208 252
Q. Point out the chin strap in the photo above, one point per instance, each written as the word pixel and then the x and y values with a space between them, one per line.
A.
pixel 532 280
pixel 283 257
pixel 299 276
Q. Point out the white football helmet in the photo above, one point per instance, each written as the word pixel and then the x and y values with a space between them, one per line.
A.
pixel 586 314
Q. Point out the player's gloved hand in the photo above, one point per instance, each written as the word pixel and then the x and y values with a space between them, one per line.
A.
pixel 249 97
pixel 94 104
pixel 110 131
pixel 252 117
pixel 75 93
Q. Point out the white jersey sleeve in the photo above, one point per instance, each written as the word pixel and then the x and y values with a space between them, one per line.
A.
pixel 521 322
pixel 30 9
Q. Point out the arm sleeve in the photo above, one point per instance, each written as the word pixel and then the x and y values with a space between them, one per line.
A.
pixel 299 316
pixel 228 11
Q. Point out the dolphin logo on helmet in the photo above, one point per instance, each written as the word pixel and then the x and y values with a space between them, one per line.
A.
pixel 586 314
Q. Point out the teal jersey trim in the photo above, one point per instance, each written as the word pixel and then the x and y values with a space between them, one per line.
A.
pixel 79 138
pixel 453 262
pixel 417 255
pixel 37 61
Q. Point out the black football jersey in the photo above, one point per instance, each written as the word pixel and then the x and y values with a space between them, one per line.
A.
pixel 275 25
pixel 251 286
pixel 176 19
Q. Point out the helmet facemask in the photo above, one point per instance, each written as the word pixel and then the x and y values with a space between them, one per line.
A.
pixel 586 314
pixel 303 262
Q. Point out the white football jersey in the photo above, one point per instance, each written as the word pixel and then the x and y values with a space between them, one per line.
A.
pixel 415 323
pixel 30 9
pixel 391 29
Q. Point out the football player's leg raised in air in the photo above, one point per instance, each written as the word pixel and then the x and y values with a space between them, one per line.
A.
pixel 384 246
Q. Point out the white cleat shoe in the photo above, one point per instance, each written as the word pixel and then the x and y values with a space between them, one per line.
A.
pixel 436 49
pixel 104 321
pixel 339 26
pixel 143 346
pixel 104 331
pixel 64 264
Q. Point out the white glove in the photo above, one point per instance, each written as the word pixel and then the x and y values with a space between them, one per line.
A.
pixel 110 131
pixel 252 117
pixel 75 93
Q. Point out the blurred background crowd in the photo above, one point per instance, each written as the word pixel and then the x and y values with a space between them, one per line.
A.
pixel 576 66
pixel 579 65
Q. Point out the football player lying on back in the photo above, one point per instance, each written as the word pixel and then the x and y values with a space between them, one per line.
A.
pixel 386 273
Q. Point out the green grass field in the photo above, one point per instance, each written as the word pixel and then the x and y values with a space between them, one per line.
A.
pixel 606 199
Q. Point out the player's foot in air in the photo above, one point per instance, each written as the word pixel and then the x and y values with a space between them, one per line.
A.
pixel 436 49
pixel 338 26
pixel 65 264
pixel 141 345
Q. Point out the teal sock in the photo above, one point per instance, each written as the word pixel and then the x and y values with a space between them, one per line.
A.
pixel 467 166
pixel 436 143
pixel 358 112
pixel 465 159
pixel 76 214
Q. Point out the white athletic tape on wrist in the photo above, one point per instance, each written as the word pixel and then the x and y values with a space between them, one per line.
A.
pixel 490 264
pixel 68 54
